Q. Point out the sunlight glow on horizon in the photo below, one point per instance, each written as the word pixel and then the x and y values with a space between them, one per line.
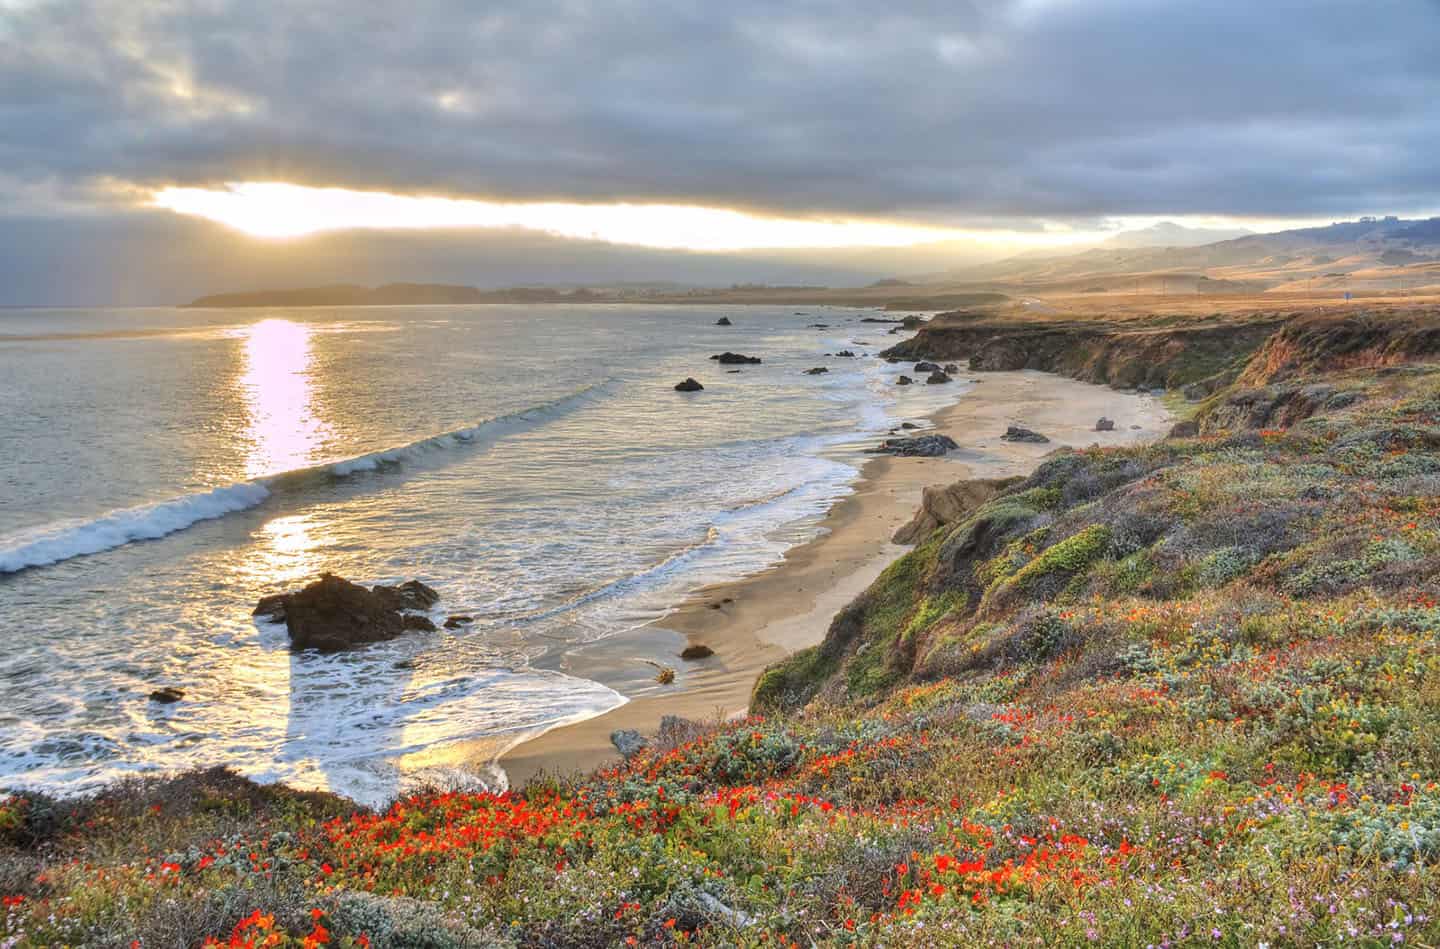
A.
pixel 279 210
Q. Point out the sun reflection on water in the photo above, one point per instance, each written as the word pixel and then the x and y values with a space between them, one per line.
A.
pixel 284 431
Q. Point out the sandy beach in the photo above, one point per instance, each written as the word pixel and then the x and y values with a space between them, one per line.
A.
pixel 757 620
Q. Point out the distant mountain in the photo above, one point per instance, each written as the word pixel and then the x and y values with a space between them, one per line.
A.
pixel 391 294
pixel 1170 234
pixel 1366 252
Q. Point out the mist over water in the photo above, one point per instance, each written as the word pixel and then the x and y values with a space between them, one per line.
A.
pixel 533 464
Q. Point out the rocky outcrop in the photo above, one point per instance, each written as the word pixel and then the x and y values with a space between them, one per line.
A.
pixel 628 742
pixel 1017 434
pixel 735 359
pixel 1275 406
pixel 949 504
pixel 1340 342
pixel 920 446
pixel 333 614
pixel 1109 353
pixel 689 385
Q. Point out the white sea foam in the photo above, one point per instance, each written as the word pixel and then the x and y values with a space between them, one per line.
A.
pixel 53 543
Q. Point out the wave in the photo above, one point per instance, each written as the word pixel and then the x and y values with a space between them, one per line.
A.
pixel 64 540
pixel 826 485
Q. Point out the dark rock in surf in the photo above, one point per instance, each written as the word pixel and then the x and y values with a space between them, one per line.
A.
pixel 920 446
pixel 724 321
pixel 410 595
pixel 271 608
pixel 736 359
pixel 927 367
pixel 1104 424
pixel 689 385
pixel 904 381
pixel 333 614
pixel 936 378
pixel 698 651
pixel 1017 434
pixel 846 354
pixel 167 695
pixel 908 425
pixel 951 368
pixel 455 622
pixel 818 370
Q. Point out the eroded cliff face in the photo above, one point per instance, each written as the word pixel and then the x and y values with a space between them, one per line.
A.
pixel 1332 428
pixel 1116 354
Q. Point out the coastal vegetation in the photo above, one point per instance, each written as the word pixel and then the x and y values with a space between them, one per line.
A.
pixel 1175 694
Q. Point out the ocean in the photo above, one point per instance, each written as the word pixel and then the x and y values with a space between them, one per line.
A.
pixel 164 468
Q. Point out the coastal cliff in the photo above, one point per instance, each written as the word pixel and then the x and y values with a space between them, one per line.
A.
pixel 1119 354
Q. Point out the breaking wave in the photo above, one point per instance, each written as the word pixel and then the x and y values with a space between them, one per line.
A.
pixel 64 540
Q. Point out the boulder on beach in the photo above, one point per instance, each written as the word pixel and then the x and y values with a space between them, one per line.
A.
pixel 724 321
pixel 332 613
pixel 167 695
pixel 936 378
pixel 846 353
pixel 1017 434
pixel 697 651
pixel 908 425
pixel 735 359
pixel 689 385
pixel 904 381
pixel 816 371
pixel 927 367
pixel 1104 424
pixel 919 446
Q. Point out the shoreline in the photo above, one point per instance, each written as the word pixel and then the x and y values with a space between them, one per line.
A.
pixel 759 619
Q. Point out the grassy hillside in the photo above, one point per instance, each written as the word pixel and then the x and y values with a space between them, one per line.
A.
pixel 1186 693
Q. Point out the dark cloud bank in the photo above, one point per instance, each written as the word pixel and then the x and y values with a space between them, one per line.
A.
pixel 988 111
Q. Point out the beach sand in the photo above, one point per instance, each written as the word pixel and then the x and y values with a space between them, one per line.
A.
pixel 760 619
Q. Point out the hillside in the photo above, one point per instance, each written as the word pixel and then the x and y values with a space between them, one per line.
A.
pixel 1388 254
pixel 1183 693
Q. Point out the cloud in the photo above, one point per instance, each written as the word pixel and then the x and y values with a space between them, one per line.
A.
pixel 953 112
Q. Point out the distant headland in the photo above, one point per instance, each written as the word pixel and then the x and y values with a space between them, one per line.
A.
pixel 391 294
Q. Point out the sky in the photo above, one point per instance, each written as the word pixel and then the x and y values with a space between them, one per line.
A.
pixel 697 141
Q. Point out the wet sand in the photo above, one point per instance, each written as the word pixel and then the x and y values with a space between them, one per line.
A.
pixel 760 619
